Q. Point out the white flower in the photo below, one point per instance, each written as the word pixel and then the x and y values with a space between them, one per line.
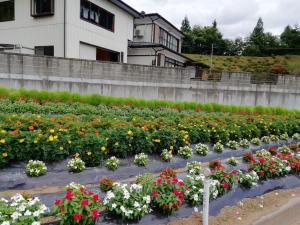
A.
pixel 136 205
pixel 114 205
pixel 36 213
pixel 5 223
pixel 27 213
pixel 15 215
pixel 36 223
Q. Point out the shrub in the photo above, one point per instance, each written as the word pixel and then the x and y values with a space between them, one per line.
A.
pixel 244 143
pixel 232 161
pixel 255 141
pixel 106 184
pixel 201 149
pixel 274 138
pixel 233 145
pixel 248 157
pixel 218 147
pixel 166 155
pixel 194 190
pixel 141 159
pixel 78 206
pixel 35 168
pixel 168 173
pixel 266 139
pixel 112 163
pixel 283 149
pixel 21 210
pixel 279 69
pixel 76 165
pixel 284 137
pixel 296 137
pixel 248 180
pixel 194 168
pixel 127 202
pixel 185 152
pixel 263 153
pixel 168 194
pixel 215 164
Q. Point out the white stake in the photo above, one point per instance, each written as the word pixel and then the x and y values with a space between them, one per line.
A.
pixel 206 201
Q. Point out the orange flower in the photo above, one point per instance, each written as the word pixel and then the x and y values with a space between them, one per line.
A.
pixel 31 128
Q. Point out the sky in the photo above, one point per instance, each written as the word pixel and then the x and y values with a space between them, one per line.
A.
pixel 235 18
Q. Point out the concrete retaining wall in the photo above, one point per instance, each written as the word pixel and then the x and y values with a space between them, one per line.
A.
pixel 142 81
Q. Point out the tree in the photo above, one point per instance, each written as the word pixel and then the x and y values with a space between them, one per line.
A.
pixel 185 25
pixel 235 47
pixel 290 37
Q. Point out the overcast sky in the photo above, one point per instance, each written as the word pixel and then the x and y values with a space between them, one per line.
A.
pixel 236 18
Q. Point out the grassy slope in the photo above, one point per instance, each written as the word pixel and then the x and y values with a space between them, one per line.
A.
pixel 250 64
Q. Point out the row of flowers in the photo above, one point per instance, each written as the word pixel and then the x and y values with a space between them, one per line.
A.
pixel 37 168
pixel 165 194
pixel 93 138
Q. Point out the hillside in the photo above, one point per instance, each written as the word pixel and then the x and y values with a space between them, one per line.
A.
pixel 250 64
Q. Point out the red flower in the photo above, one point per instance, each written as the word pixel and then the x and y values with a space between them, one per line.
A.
pixel 77 217
pixel 62 210
pixel 69 195
pixel 181 183
pixel 177 193
pixel 158 181
pixel 84 202
pixel 226 184
pixel 261 160
pixel 82 189
pixel 96 198
pixel 154 194
pixel 95 214
pixel 261 173
pixel 58 202
pixel 225 175
pixel 174 180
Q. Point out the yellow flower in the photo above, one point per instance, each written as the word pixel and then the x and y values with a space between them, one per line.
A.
pixel 35 141
pixel 55 137
pixel 89 153
pixel 103 148
pixel 51 131
pixel 4 154
pixel 70 142
pixel 3 131
pixel 61 148
pixel 77 154
pixel 157 140
pixel 2 141
pixel 130 132
pixel 21 140
pixel 51 138
pixel 117 143
pixel 171 147
pixel 186 136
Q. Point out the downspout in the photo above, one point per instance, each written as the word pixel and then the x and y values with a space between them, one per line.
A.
pixel 65 16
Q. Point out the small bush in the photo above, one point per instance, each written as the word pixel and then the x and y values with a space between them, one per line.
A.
pixel 141 159
pixel 112 163
pixel 35 168
pixel 76 165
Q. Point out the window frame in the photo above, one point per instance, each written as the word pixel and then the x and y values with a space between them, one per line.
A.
pixel 44 46
pixel 92 21
pixel 170 41
pixel 14 12
pixel 36 15
pixel 172 63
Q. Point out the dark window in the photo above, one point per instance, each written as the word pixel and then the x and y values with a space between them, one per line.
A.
pixel 96 15
pixel 7 10
pixel 44 50
pixel 172 63
pixel 107 55
pixel 42 8
pixel 168 40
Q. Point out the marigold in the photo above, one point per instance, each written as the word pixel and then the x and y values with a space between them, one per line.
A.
pixel 77 154
pixel 103 148
pixel 89 153
pixel 4 154
pixel 61 148
pixel 130 132
pixel 51 131
pixel 51 138
pixel 21 140
pixel 2 141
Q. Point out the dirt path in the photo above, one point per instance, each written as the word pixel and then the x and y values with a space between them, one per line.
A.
pixel 250 211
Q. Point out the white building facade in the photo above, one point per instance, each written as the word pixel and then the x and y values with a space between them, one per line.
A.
pixel 95 29
pixel 156 42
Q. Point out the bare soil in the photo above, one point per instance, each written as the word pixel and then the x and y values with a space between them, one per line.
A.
pixel 248 211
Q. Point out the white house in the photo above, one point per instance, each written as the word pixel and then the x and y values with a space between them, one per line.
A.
pixel 86 29
pixel 156 42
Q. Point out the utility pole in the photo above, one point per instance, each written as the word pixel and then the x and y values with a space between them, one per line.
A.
pixel 211 59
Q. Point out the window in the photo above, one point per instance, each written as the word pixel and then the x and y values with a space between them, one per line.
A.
pixel 172 63
pixel 44 50
pixel 42 8
pixel 7 10
pixel 168 40
pixel 96 15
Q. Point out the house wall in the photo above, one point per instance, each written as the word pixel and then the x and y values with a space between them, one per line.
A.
pixel 147 82
pixel 30 32
pixel 79 30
